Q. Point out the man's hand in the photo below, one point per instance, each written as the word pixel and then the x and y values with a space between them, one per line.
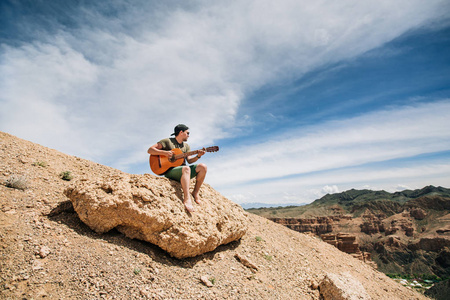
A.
pixel 169 154
pixel 200 153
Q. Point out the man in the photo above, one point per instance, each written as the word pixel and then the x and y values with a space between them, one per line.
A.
pixel 183 173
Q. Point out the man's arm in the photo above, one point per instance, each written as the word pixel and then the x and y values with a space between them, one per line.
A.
pixel 193 159
pixel 156 149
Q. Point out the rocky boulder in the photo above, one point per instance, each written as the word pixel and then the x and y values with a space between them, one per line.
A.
pixel 342 287
pixel 150 208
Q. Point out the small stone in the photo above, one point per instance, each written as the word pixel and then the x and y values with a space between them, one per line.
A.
pixel 44 251
pixel 36 265
pixel 206 281
pixel 243 260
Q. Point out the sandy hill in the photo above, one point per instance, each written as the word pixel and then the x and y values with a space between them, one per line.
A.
pixel 47 252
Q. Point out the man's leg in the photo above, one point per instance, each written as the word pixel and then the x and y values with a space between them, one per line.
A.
pixel 185 181
pixel 201 174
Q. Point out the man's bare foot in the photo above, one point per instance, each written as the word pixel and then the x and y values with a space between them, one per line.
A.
pixel 189 206
pixel 196 198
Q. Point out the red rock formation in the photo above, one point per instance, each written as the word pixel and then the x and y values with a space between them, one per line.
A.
pixel 344 242
pixel 401 224
pixel 318 226
pixel 394 242
pixel 431 244
pixel 347 243
pixel 372 224
pixel 391 230
pixel 418 213
pixel 409 231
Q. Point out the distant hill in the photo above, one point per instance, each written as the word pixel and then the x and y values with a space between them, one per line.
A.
pixel 251 205
pixel 353 202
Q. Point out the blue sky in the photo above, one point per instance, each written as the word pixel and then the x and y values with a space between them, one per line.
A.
pixel 303 98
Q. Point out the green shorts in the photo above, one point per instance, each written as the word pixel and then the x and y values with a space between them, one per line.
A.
pixel 175 173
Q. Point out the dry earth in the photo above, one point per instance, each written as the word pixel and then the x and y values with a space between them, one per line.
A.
pixel 47 252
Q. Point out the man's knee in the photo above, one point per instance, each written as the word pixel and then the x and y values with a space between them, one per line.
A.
pixel 186 171
pixel 201 168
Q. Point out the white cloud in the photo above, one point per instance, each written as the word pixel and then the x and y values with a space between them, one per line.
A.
pixel 374 137
pixel 39 83
pixel 330 189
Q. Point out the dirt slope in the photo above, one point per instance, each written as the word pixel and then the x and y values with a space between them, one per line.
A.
pixel 56 256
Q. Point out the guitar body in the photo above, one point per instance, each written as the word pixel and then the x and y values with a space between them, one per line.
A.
pixel 160 163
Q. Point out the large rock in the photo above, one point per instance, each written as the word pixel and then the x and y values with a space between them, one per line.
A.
pixel 150 208
pixel 342 287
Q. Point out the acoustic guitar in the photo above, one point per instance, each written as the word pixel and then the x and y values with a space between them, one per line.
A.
pixel 160 163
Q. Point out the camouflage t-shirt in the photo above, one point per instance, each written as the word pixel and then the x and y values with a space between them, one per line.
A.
pixel 171 143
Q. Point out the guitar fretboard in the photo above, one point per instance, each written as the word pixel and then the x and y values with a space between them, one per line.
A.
pixel 184 155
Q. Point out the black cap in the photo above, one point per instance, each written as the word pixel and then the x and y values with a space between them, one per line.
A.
pixel 178 128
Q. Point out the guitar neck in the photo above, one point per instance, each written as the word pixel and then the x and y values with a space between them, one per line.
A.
pixel 184 155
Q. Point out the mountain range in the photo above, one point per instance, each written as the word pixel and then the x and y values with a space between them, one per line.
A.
pixel 405 232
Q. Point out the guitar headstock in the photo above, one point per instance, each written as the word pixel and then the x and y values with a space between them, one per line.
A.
pixel 212 149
